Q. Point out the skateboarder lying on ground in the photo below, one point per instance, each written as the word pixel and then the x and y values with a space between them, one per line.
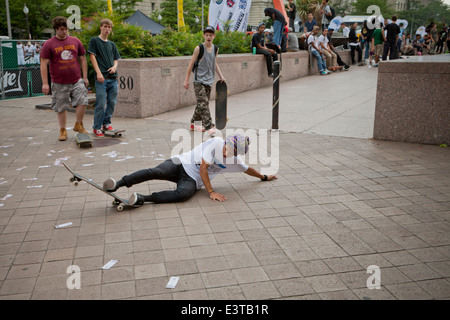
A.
pixel 191 170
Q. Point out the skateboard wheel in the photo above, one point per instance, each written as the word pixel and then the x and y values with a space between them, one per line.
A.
pixel 75 183
pixel 119 207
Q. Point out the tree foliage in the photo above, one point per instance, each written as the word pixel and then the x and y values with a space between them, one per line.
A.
pixel 134 42
pixel 43 11
pixel 192 10
pixel 360 7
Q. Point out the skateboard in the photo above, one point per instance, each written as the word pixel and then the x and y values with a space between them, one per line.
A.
pixel 221 104
pixel 84 140
pixel 113 133
pixel 118 202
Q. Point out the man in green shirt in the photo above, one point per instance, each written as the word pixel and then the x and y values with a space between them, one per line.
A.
pixel 377 43
pixel 104 57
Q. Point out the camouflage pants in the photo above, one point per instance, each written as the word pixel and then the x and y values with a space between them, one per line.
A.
pixel 201 113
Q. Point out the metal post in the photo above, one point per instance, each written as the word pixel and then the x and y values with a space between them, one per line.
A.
pixel 8 19
pixel 2 75
pixel 276 94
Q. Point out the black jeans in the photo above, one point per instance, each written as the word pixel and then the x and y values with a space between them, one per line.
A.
pixel 269 57
pixel 339 60
pixel 391 48
pixel 186 186
pixel 352 53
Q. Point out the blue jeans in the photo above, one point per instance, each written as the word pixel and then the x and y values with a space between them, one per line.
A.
pixel 106 95
pixel 321 62
pixel 367 49
pixel 277 32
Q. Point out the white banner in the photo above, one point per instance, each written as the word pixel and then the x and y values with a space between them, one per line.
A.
pixel 233 13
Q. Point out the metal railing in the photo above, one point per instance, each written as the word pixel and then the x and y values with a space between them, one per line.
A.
pixel 20 74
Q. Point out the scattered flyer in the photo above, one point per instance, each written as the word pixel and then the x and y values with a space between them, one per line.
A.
pixel 63 225
pixel 109 264
pixel 172 282
pixel 6 197
pixel 34 187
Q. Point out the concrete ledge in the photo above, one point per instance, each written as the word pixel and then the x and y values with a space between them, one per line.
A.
pixel 412 103
pixel 150 86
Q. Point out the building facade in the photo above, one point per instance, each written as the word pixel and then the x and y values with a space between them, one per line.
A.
pixel 148 6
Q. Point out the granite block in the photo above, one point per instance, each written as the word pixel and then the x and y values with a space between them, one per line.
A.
pixel 412 102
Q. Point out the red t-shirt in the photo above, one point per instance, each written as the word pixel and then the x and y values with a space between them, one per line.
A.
pixel 63 56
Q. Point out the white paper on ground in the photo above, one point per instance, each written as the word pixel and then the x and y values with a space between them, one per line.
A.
pixel 63 225
pixel 110 264
pixel 172 282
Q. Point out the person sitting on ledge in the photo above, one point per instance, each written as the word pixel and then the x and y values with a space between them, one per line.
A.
pixel 260 48
pixel 191 170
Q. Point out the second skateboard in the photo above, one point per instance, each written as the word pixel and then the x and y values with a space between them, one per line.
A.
pixel 221 104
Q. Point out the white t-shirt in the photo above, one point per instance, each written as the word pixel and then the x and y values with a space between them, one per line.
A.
pixel 325 18
pixel 19 50
pixel 312 39
pixel 345 32
pixel 323 41
pixel 212 152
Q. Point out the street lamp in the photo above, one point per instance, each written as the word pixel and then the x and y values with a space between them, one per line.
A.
pixel 26 11
pixel 202 16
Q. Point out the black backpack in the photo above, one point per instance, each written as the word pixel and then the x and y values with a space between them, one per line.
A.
pixel 200 55
pixel 333 14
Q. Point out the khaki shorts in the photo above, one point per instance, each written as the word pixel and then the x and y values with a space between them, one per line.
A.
pixel 379 50
pixel 66 95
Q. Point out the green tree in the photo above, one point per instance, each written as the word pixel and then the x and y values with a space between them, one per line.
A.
pixel 39 17
pixel 192 11
pixel 418 15
pixel 360 7
pixel 43 11
pixel 309 6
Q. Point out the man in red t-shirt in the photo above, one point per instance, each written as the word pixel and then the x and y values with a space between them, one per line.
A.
pixel 65 55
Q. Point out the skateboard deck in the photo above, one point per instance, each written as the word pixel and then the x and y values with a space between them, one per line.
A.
pixel 221 104
pixel 113 133
pixel 84 140
pixel 118 201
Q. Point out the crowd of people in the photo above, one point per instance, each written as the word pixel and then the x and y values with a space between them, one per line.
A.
pixel 380 42
pixel 29 53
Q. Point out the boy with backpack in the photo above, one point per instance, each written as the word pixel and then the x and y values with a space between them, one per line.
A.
pixel 328 14
pixel 203 64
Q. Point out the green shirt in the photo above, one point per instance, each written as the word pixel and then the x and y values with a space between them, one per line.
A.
pixel 378 37
pixel 105 52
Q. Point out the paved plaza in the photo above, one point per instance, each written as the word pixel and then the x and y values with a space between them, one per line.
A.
pixel 342 203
